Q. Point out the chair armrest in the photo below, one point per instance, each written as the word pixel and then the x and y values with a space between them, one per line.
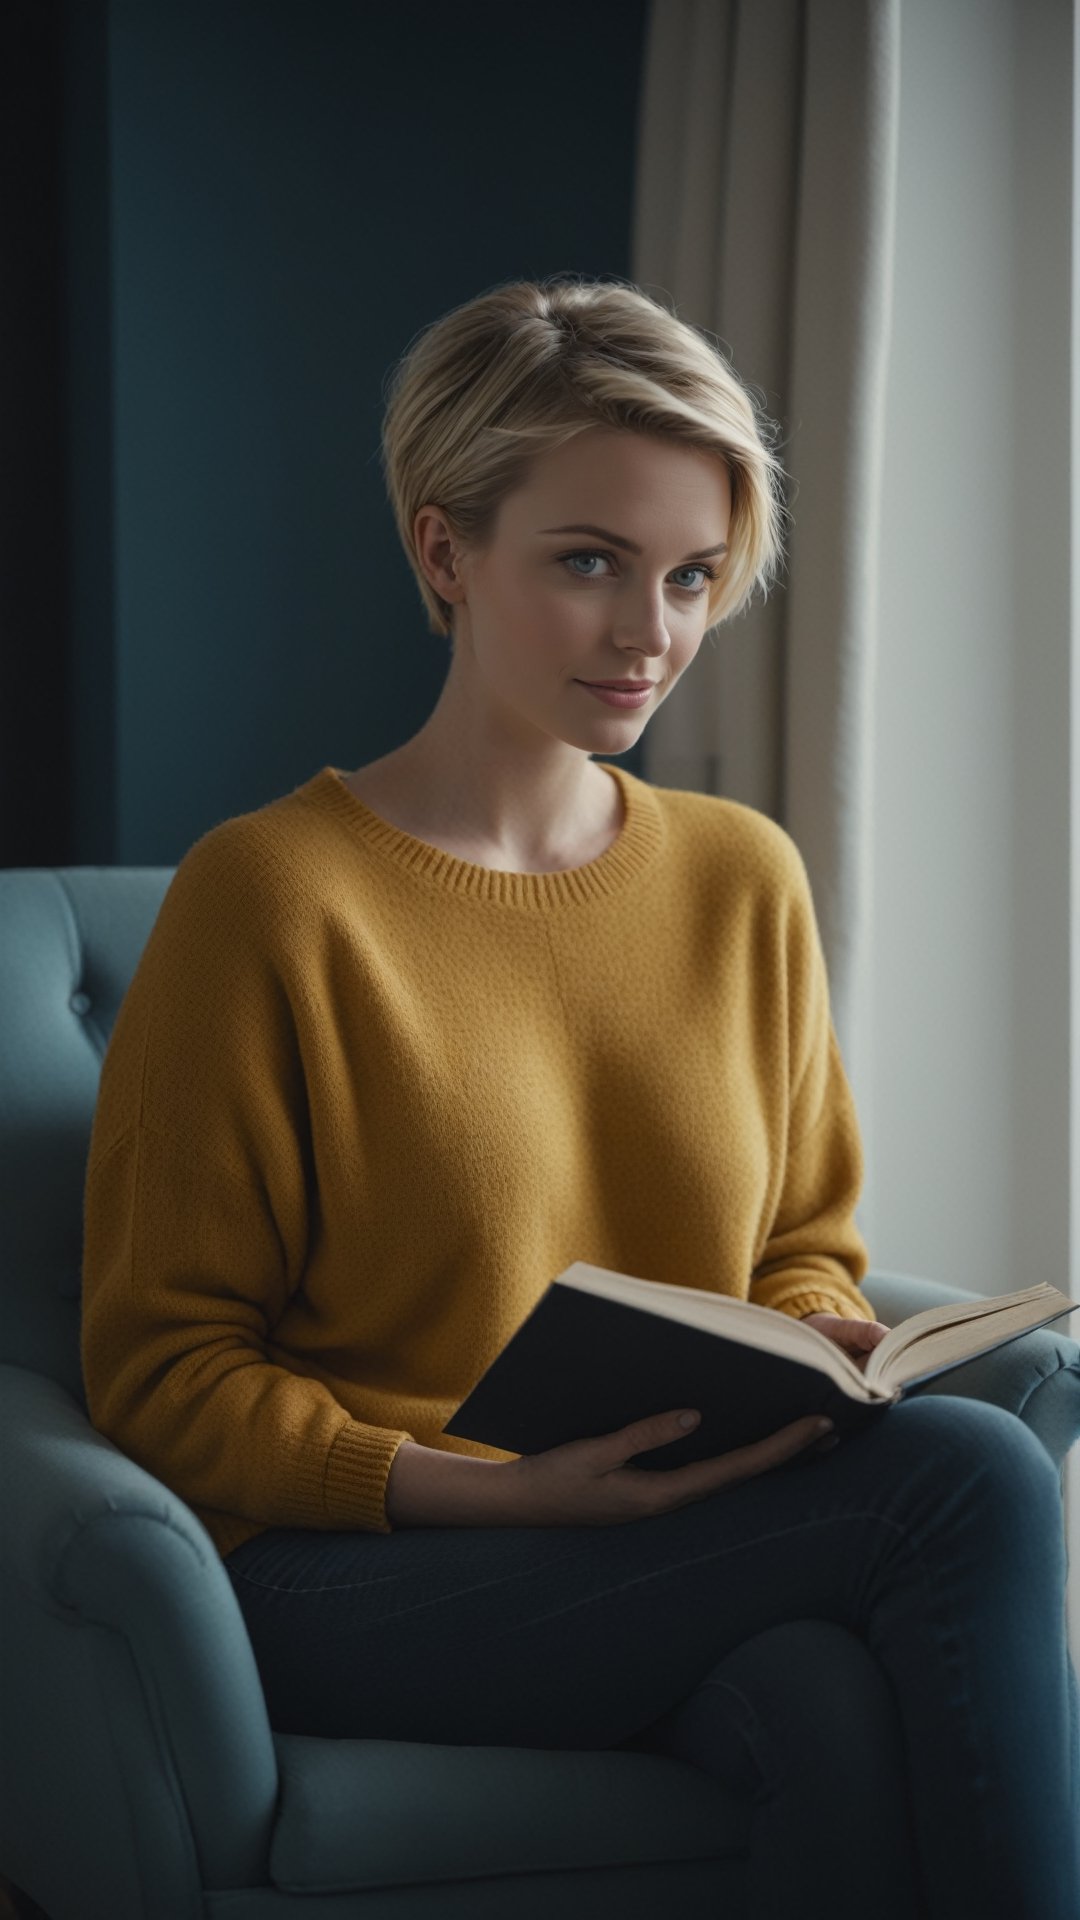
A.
pixel 96 1541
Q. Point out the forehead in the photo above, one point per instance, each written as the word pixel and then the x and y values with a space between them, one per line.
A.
pixel 601 474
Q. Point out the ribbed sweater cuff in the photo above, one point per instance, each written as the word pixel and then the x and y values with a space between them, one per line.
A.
pixel 798 1305
pixel 357 1469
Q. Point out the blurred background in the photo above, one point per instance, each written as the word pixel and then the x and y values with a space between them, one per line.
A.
pixel 224 220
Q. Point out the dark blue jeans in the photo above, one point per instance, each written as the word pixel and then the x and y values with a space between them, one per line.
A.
pixel 935 1536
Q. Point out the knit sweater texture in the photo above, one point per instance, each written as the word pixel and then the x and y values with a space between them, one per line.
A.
pixel 363 1100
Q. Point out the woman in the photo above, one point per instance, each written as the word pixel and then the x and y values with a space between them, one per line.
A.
pixel 408 1041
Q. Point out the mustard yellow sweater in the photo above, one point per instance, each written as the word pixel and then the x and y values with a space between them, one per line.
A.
pixel 363 1100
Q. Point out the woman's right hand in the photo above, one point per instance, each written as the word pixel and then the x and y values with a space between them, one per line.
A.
pixel 588 1483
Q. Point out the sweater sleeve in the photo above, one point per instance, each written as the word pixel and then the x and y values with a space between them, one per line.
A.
pixel 197 1208
pixel 814 1255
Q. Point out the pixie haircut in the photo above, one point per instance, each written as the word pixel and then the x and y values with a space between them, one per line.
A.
pixel 526 366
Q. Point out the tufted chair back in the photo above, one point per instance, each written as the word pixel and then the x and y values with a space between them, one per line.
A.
pixel 70 939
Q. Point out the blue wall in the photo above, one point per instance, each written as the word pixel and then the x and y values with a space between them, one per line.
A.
pixel 267 202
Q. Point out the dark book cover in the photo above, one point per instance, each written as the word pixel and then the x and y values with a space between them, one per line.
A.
pixel 581 1364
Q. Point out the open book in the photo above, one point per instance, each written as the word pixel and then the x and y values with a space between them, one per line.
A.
pixel 601 1349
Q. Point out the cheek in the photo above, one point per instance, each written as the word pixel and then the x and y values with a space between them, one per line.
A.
pixel 684 651
pixel 522 622
pixel 548 625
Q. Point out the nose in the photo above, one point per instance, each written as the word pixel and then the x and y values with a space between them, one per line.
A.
pixel 645 631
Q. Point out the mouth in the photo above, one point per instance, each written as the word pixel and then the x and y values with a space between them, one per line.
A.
pixel 627 694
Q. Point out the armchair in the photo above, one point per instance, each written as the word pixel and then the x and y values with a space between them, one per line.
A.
pixel 139 1774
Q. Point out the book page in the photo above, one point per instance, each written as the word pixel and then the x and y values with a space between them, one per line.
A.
pixel 959 1331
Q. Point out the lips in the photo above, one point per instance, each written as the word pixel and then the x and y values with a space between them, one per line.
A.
pixel 621 686
pixel 624 694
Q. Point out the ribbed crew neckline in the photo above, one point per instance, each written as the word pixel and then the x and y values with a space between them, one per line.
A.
pixel 637 843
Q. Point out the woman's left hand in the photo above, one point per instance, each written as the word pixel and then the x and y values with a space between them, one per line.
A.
pixel 857 1337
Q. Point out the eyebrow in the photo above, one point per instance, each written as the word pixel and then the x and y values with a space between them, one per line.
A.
pixel 619 540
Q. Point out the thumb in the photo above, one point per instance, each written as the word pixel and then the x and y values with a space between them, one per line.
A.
pixel 864 1334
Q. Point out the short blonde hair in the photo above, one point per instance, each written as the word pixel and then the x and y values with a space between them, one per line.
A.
pixel 528 365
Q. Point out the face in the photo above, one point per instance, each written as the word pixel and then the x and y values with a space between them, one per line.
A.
pixel 544 609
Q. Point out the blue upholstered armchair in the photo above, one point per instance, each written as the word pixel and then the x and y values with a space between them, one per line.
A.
pixel 139 1774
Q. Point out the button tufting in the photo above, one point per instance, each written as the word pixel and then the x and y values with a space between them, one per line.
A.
pixel 80 1003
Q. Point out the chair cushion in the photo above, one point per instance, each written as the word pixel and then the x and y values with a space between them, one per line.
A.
pixel 358 1814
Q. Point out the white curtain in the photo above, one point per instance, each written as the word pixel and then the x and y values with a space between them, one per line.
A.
pixel 764 207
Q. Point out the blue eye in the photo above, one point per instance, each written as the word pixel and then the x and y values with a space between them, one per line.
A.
pixel 692 593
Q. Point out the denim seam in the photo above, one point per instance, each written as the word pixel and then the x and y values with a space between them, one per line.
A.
pixel 382 1579
pixel 346 1586
pixel 341 1586
pixel 715 1553
pixel 1063 1366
